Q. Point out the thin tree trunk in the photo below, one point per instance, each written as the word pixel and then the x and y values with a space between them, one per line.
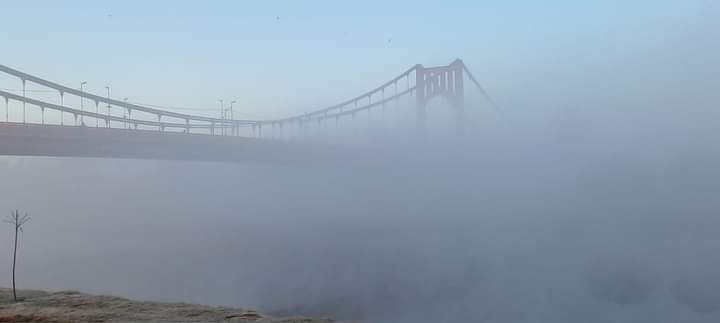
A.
pixel 14 258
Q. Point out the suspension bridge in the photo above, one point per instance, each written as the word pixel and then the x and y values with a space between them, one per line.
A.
pixel 142 131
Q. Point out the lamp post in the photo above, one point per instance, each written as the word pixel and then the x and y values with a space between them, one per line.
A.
pixel 222 131
pixel 125 113
pixel 82 99
pixel 23 90
pixel 232 117
pixel 108 106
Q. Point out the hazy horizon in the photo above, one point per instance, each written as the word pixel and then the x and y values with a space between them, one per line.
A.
pixel 589 194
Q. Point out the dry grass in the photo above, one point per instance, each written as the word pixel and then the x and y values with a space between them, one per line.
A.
pixel 69 306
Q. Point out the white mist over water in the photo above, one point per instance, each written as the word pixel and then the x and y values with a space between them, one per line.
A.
pixel 585 215
pixel 590 196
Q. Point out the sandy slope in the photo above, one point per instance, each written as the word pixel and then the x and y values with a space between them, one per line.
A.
pixel 68 306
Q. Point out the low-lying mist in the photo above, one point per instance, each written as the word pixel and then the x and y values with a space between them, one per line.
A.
pixel 590 194
pixel 590 214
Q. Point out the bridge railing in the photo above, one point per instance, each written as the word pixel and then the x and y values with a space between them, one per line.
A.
pixel 24 77
pixel 129 121
pixel 387 92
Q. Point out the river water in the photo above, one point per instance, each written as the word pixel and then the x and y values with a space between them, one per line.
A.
pixel 525 228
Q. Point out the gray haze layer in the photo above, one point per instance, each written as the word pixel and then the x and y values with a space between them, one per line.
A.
pixel 592 196
pixel 505 227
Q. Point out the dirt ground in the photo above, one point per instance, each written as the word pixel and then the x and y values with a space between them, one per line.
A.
pixel 70 306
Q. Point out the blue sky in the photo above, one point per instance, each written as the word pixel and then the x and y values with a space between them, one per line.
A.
pixel 278 57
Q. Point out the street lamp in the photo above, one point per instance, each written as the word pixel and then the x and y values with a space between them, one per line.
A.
pixel 125 112
pixel 82 99
pixel 231 110
pixel 108 106
pixel 232 117
pixel 222 117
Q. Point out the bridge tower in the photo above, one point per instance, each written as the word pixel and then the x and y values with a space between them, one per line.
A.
pixel 445 81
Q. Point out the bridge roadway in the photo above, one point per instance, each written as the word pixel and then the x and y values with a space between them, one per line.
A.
pixel 17 139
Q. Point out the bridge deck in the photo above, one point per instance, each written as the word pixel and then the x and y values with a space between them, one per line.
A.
pixel 64 141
